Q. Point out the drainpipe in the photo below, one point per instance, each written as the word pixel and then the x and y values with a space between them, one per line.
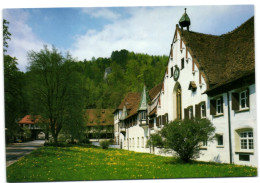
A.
pixel 229 130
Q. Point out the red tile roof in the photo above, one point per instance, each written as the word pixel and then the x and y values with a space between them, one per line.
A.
pixel 225 57
pixel 129 100
pixel 29 120
pixel 155 90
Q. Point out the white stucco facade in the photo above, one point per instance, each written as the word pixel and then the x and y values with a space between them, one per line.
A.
pixel 236 129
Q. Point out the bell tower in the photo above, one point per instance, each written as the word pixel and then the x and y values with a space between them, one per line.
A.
pixel 184 21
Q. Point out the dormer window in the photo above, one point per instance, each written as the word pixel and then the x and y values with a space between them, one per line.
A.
pixel 143 115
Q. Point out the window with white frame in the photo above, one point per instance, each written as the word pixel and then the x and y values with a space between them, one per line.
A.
pixel 219 106
pixel 220 140
pixel 133 142
pixel 205 143
pixel 143 115
pixel 138 142
pixel 243 100
pixel 246 140
pixel 142 142
pixel 203 110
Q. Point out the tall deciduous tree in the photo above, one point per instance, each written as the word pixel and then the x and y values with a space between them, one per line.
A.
pixel 51 83
pixel 6 34
pixel 13 88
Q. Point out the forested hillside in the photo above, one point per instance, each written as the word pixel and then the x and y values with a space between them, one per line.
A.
pixel 130 71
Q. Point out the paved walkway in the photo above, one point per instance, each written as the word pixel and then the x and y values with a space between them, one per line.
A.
pixel 15 151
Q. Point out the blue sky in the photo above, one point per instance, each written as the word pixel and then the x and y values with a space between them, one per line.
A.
pixel 96 32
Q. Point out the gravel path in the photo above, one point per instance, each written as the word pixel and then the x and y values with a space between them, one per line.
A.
pixel 15 151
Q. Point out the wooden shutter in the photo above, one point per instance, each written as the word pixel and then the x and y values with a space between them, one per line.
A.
pixel 186 113
pixel 186 53
pixel 151 123
pixel 221 101
pixel 157 121
pixel 163 120
pixel 248 98
pixel 213 107
pixel 171 71
pixel 235 101
pixel 181 43
pixel 171 52
pixel 197 111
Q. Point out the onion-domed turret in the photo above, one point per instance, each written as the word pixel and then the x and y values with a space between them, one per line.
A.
pixel 185 20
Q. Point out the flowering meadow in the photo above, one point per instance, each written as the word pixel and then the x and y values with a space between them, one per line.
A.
pixel 81 163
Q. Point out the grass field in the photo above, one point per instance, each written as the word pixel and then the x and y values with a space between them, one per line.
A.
pixel 81 163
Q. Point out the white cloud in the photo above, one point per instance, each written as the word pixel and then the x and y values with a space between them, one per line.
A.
pixel 147 30
pixel 22 39
pixel 101 13
pixel 150 29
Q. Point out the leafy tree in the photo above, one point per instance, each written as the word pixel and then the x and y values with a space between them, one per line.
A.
pixel 6 34
pixel 50 87
pixel 26 133
pixel 13 89
pixel 74 124
pixel 185 137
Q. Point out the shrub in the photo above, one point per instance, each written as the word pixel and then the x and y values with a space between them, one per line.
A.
pixel 185 137
pixel 155 140
pixel 104 144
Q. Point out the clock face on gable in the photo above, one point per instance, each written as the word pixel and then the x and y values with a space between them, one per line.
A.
pixel 176 73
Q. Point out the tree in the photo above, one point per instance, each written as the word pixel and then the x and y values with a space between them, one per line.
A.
pixel 155 140
pixel 13 89
pixel 6 34
pixel 185 137
pixel 74 124
pixel 50 84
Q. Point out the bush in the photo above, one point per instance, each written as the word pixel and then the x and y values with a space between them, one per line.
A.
pixel 155 140
pixel 104 144
pixel 185 137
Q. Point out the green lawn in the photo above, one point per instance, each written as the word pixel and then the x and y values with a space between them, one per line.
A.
pixel 81 163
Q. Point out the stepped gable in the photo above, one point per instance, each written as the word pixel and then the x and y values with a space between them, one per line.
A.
pixel 154 91
pixel 223 58
pixel 101 117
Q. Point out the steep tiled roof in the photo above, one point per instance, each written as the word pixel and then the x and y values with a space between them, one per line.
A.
pixel 223 58
pixel 134 108
pixel 102 117
pixel 129 100
pixel 29 120
pixel 154 91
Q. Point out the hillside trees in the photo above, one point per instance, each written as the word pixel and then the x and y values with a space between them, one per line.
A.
pixel 53 86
